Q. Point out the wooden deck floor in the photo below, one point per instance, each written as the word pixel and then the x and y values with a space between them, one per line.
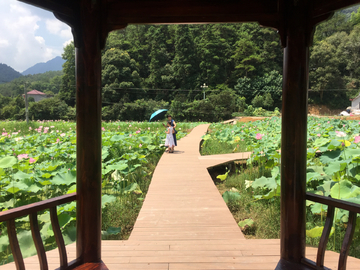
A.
pixel 185 224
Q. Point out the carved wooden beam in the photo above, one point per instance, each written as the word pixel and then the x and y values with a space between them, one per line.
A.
pixel 125 12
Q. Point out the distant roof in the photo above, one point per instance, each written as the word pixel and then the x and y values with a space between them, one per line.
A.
pixel 35 92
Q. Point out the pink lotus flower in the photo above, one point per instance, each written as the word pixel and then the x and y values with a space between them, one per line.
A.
pixel 21 156
pixel 259 136
pixel 30 128
pixel 4 134
pixel 140 145
pixel 103 129
pixel 319 135
pixel 62 134
pixel 130 135
pixel 58 140
pixel 32 160
pixel 340 133
pixel 357 139
pixel 138 131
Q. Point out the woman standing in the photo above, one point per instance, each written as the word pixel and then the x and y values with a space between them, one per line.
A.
pixel 173 124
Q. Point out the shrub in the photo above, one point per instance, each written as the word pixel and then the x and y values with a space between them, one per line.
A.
pixel 258 101
pixel 48 109
pixel 249 110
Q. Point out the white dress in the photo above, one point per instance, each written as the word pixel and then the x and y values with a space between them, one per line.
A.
pixel 169 142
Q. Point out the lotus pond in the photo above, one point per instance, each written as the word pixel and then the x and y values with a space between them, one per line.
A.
pixel 38 162
pixel 333 168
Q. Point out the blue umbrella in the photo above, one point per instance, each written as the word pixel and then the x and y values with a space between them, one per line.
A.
pixel 159 114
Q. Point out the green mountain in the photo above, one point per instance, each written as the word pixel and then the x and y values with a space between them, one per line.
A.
pixel 350 10
pixel 7 73
pixel 51 65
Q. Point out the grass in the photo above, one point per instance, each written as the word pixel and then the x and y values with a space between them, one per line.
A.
pixel 214 147
pixel 264 213
pixel 125 210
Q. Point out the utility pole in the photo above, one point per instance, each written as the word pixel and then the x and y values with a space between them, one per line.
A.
pixel 26 104
pixel 204 86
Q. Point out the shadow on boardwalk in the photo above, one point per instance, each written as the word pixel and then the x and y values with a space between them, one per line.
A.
pixel 185 224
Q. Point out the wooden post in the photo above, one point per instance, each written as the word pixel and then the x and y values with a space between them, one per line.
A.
pixel 294 131
pixel 88 42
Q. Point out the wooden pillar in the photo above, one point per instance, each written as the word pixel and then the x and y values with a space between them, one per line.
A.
pixel 88 41
pixel 296 34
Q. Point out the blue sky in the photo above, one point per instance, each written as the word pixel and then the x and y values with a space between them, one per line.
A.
pixel 29 35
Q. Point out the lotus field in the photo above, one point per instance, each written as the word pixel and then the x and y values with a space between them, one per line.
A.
pixel 38 162
pixel 333 164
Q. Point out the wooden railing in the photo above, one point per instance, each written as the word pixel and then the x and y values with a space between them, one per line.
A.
pixel 31 210
pixel 353 209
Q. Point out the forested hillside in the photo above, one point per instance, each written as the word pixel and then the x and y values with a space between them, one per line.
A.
pixel 7 73
pixel 149 67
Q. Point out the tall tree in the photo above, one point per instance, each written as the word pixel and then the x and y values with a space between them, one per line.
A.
pixel 68 86
pixel 185 63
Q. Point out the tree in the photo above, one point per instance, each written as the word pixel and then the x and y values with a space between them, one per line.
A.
pixel 328 66
pixel 246 56
pixel 268 83
pixel 118 71
pixel 68 86
pixel 185 64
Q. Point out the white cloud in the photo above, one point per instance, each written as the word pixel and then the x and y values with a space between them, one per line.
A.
pixel 26 34
pixel 65 43
pixel 57 27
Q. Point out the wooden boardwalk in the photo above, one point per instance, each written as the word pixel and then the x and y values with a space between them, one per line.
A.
pixel 185 224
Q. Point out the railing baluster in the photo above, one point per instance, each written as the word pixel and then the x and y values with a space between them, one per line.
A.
pixel 34 225
pixel 14 245
pixel 347 241
pixel 325 236
pixel 58 237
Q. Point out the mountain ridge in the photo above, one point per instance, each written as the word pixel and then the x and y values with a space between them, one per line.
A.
pixel 8 74
pixel 54 64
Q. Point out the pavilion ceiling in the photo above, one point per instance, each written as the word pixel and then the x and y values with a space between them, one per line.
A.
pixel 120 12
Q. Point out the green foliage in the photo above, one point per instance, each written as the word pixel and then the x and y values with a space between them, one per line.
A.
pixel 335 173
pixel 49 109
pixel 38 163
pixel 68 83
pixel 269 83
pixel 258 101
pixel 7 73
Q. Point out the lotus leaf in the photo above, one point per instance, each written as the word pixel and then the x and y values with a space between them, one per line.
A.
pixel 344 190
pixel 330 156
pixel 229 196
pixel 317 231
pixel 120 166
pixel 69 234
pixel 264 182
pixel 223 177
pixel 246 223
pixel 4 242
pixel 15 187
pixel 67 178
pixel 105 199
pixel 7 162
pixel 334 167
pixel 26 243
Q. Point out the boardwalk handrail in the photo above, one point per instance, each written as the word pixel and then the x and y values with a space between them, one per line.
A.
pixel 332 203
pixel 32 209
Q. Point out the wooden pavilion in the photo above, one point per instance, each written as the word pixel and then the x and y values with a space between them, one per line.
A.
pixel 92 20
